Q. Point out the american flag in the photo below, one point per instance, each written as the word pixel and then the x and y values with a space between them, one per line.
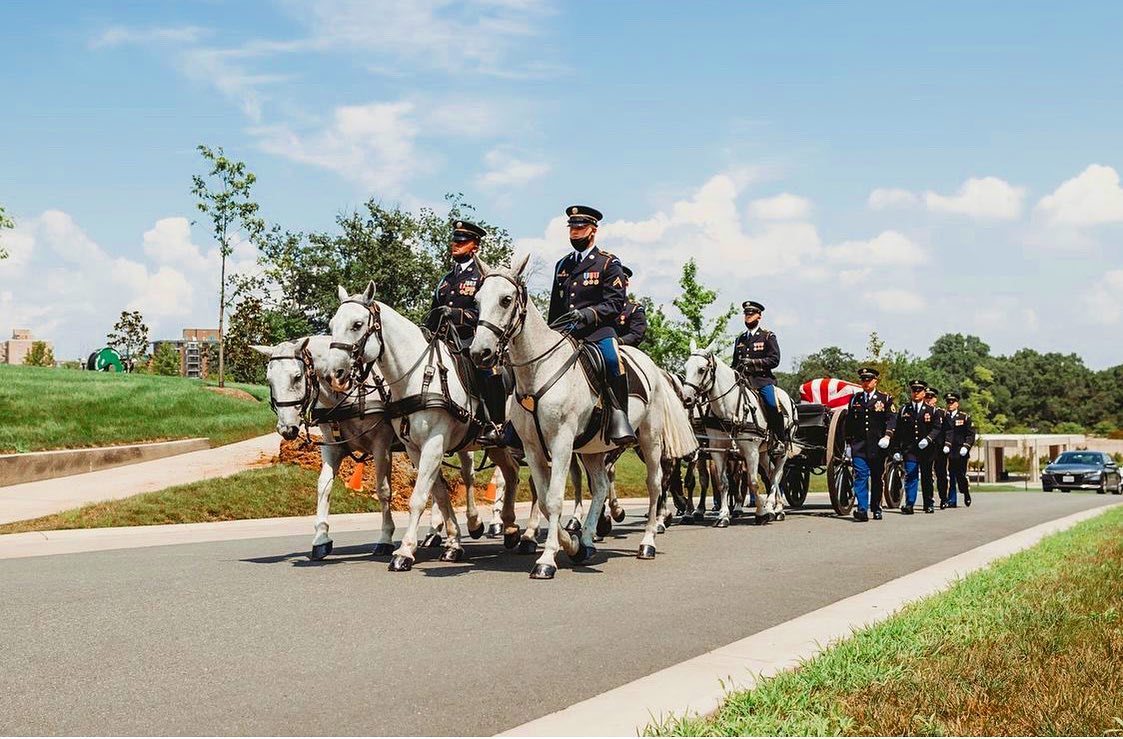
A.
pixel 828 391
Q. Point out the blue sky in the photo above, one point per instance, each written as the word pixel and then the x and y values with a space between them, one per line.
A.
pixel 853 166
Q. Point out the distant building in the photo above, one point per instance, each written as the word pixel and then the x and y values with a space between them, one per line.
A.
pixel 16 348
pixel 192 350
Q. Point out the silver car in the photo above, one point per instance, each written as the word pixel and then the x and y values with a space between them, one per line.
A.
pixel 1083 471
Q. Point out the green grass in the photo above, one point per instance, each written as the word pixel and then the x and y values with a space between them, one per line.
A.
pixel 1030 646
pixel 48 408
pixel 281 490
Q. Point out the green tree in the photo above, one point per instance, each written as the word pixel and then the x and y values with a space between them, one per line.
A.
pixel 5 222
pixel 830 361
pixel 39 355
pixel 129 334
pixel 253 323
pixel 976 398
pixel 224 196
pixel 668 340
pixel 165 360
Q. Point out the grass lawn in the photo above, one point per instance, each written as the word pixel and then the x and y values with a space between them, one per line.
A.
pixel 1030 646
pixel 48 408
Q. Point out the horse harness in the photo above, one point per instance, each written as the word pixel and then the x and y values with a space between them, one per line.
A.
pixel 745 420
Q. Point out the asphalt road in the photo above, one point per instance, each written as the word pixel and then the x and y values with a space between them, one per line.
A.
pixel 249 637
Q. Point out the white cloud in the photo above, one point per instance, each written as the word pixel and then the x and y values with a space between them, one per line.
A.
pixel 984 198
pixel 169 240
pixel 783 207
pixel 370 144
pixel 506 170
pixel 119 35
pixel 895 300
pixel 1105 300
pixel 890 197
pixel 888 248
pixel 1092 197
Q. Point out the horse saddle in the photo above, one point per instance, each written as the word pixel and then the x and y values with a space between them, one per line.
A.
pixel 592 361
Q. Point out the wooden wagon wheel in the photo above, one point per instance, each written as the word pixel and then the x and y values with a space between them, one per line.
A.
pixel 893 485
pixel 795 484
pixel 840 474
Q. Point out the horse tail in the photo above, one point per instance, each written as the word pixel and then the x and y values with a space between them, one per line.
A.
pixel 678 434
pixel 794 449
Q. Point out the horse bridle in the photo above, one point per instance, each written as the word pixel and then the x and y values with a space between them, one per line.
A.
pixel 306 401
pixel 358 349
pixel 504 335
pixel 709 373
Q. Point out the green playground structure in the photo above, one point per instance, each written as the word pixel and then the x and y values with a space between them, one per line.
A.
pixel 105 359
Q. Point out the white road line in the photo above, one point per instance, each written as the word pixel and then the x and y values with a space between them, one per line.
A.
pixel 698 686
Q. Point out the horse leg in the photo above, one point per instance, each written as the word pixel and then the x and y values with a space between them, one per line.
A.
pixel 613 497
pixel 751 452
pixel 331 457
pixel 598 491
pixel 573 525
pixel 528 542
pixel 384 544
pixel 653 455
pixel 552 479
pixel 777 473
pixel 499 477
pixel 719 485
pixel 406 552
pixel 468 475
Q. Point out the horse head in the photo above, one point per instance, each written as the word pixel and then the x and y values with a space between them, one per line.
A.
pixel 698 373
pixel 356 336
pixel 291 384
pixel 502 301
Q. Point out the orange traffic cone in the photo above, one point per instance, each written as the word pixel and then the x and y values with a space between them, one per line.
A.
pixel 356 481
pixel 489 496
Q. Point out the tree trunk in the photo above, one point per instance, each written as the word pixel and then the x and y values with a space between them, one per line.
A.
pixel 221 317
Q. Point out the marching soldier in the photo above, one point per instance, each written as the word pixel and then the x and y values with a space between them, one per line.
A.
pixel 959 437
pixel 914 440
pixel 755 354
pixel 587 298
pixel 454 315
pixel 870 422
pixel 632 323
pixel 937 461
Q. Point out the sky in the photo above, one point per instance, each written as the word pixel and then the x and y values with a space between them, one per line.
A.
pixel 914 170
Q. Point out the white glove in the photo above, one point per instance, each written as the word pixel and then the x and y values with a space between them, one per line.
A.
pixel 896 456
pixel 963 451
pixel 923 444
pixel 947 449
pixel 847 453
pixel 883 442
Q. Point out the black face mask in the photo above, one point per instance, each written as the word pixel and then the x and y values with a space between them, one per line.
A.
pixel 580 244
pixel 461 259
pixel 752 323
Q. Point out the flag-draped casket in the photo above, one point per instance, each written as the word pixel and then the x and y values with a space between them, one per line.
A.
pixel 828 391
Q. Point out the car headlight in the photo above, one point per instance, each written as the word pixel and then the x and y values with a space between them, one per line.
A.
pixel 1093 475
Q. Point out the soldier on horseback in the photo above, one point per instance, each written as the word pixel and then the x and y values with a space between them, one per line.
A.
pixel 588 294
pixel 755 355
pixel 454 316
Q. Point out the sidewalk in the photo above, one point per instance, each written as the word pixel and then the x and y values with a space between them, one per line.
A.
pixel 42 498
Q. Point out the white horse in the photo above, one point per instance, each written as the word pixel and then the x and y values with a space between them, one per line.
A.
pixel 739 410
pixel 298 387
pixel 553 405
pixel 430 408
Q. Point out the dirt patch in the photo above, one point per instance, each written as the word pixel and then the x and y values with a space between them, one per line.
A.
pixel 231 392
pixel 402 474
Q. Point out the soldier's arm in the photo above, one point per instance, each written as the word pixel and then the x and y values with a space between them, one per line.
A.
pixel 637 326
pixel 431 317
pixel 968 431
pixel 890 419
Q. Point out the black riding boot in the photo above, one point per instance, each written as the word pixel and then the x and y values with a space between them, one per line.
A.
pixel 620 430
pixel 492 410
pixel 776 423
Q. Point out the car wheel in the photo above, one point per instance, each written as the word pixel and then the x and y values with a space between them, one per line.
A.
pixel 1103 487
pixel 1119 487
pixel 1047 488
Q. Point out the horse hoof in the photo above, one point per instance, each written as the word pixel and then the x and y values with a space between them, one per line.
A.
pixel 722 523
pixel 400 564
pixel 543 572
pixel 781 516
pixel 319 551
pixel 511 539
pixel 604 526
pixel 432 541
pixel 760 520
pixel 699 516
pixel 527 546
pixel 735 514
pixel 686 520
pixel 618 514
pixel 573 527
pixel 660 528
pixel 494 531
pixel 381 550
pixel 646 551
pixel 584 553
pixel 452 554
pixel 477 532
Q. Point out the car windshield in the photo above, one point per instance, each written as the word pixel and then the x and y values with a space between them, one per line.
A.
pixel 1080 458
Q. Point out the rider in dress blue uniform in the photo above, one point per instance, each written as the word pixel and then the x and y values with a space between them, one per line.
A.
pixel 455 315
pixel 914 441
pixel 755 354
pixel 632 323
pixel 586 299
pixel 870 421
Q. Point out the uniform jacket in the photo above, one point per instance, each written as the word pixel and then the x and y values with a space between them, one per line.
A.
pixel 939 414
pixel 596 283
pixel 755 355
pixel 868 421
pixel 457 290
pixel 912 426
pixel 959 431
pixel 632 324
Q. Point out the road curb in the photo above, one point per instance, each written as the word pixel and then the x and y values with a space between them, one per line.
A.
pixel 699 685
pixel 35 466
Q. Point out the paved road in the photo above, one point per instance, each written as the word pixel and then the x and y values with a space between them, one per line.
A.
pixel 248 637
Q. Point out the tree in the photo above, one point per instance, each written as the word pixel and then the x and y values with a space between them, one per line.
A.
pixel 253 323
pixel 5 222
pixel 227 203
pixel 129 334
pixel 165 360
pixel 668 340
pixel 40 355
